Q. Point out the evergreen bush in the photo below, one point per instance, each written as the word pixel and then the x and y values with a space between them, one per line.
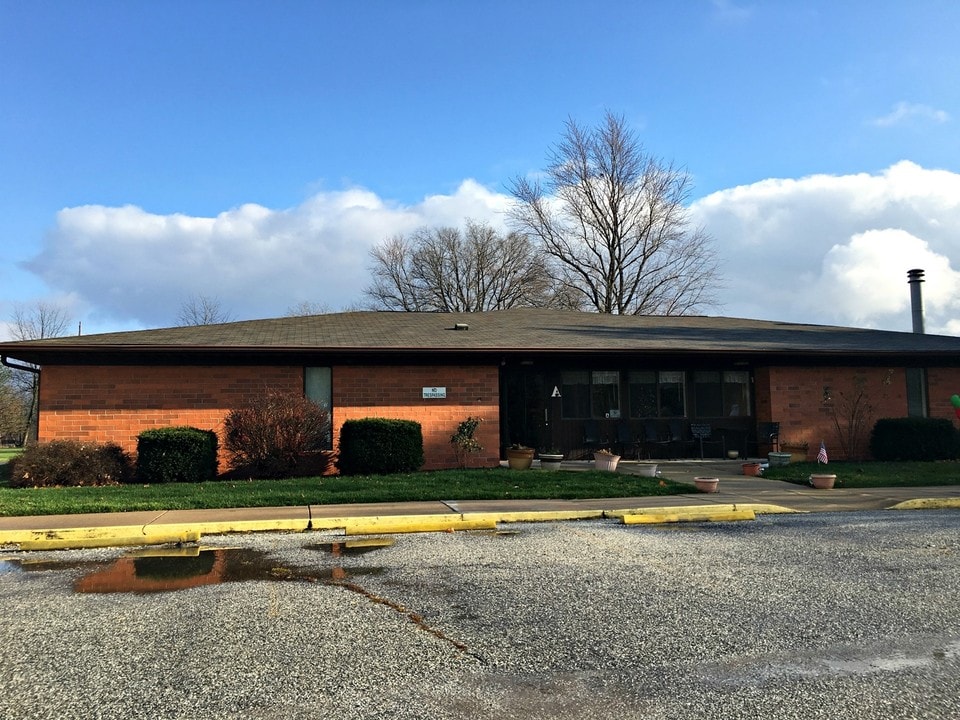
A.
pixel 176 454
pixel 915 438
pixel 377 446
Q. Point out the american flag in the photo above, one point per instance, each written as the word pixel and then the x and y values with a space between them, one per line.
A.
pixel 822 455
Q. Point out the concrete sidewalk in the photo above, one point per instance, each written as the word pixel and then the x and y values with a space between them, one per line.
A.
pixel 734 489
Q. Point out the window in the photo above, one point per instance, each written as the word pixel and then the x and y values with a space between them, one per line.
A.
pixel 605 393
pixel 318 387
pixel 916 392
pixel 672 402
pixel 588 393
pixel 643 394
pixel 656 394
pixel 575 393
pixel 721 393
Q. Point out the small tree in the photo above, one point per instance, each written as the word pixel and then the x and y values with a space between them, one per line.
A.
pixel 463 441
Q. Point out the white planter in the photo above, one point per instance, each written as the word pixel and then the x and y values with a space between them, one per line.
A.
pixel 550 462
pixel 647 469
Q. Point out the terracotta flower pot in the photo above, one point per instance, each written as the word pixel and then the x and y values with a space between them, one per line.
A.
pixel 519 459
pixel 751 469
pixel 706 484
pixel 823 481
pixel 605 462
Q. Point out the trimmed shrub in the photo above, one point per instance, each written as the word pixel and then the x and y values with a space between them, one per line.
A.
pixel 377 446
pixel 914 438
pixel 278 434
pixel 176 454
pixel 70 463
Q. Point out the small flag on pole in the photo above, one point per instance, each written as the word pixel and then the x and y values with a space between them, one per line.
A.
pixel 822 455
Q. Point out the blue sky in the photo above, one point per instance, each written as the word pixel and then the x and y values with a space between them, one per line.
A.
pixel 254 151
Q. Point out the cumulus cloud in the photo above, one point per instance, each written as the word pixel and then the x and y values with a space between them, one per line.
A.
pixel 825 249
pixel 130 266
pixel 836 249
pixel 904 111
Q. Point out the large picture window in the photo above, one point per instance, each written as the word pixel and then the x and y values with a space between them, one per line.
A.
pixel 589 393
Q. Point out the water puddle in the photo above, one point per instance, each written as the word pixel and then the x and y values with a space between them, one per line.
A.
pixel 155 570
pixel 348 548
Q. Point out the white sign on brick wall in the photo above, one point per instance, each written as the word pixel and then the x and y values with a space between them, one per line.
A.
pixel 434 393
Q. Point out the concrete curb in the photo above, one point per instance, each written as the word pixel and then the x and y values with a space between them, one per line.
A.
pixel 667 516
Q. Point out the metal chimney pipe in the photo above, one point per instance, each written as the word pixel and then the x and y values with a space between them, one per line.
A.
pixel 914 278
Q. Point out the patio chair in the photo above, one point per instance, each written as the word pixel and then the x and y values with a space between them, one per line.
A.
pixel 769 433
pixel 703 433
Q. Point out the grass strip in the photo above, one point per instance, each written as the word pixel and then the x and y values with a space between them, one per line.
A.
pixel 487 484
pixel 872 474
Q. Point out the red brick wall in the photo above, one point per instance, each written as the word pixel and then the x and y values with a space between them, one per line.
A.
pixel 117 403
pixel 795 398
pixel 397 392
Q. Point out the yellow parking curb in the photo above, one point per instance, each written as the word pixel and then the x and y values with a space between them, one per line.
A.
pixel 417 523
pixel 72 539
pixel 928 504
pixel 668 516
pixel 756 508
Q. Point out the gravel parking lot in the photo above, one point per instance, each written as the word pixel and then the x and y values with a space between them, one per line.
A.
pixel 813 616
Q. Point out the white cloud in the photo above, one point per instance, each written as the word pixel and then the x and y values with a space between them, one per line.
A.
pixel 132 267
pixel 836 249
pixel 824 249
pixel 904 112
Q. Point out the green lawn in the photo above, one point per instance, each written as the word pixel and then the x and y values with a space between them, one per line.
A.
pixel 873 474
pixel 441 485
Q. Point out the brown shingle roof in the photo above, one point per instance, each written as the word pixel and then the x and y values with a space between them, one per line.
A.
pixel 528 329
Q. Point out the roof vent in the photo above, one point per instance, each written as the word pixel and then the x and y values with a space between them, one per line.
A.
pixel 461 326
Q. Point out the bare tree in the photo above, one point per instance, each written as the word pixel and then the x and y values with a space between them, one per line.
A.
pixel 306 307
pixel 35 322
pixel 444 269
pixel 613 219
pixel 202 310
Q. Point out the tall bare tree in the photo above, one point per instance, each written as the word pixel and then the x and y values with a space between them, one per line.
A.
pixel 35 322
pixel 202 310
pixel 613 218
pixel 444 269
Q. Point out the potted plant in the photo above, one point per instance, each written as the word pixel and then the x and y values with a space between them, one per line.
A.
pixel 551 460
pixel 823 481
pixel 605 460
pixel 519 457
pixel 706 484
pixel 751 468
pixel 777 459
pixel 647 469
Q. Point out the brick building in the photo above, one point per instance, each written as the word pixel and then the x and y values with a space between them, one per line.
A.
pixel 548 379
